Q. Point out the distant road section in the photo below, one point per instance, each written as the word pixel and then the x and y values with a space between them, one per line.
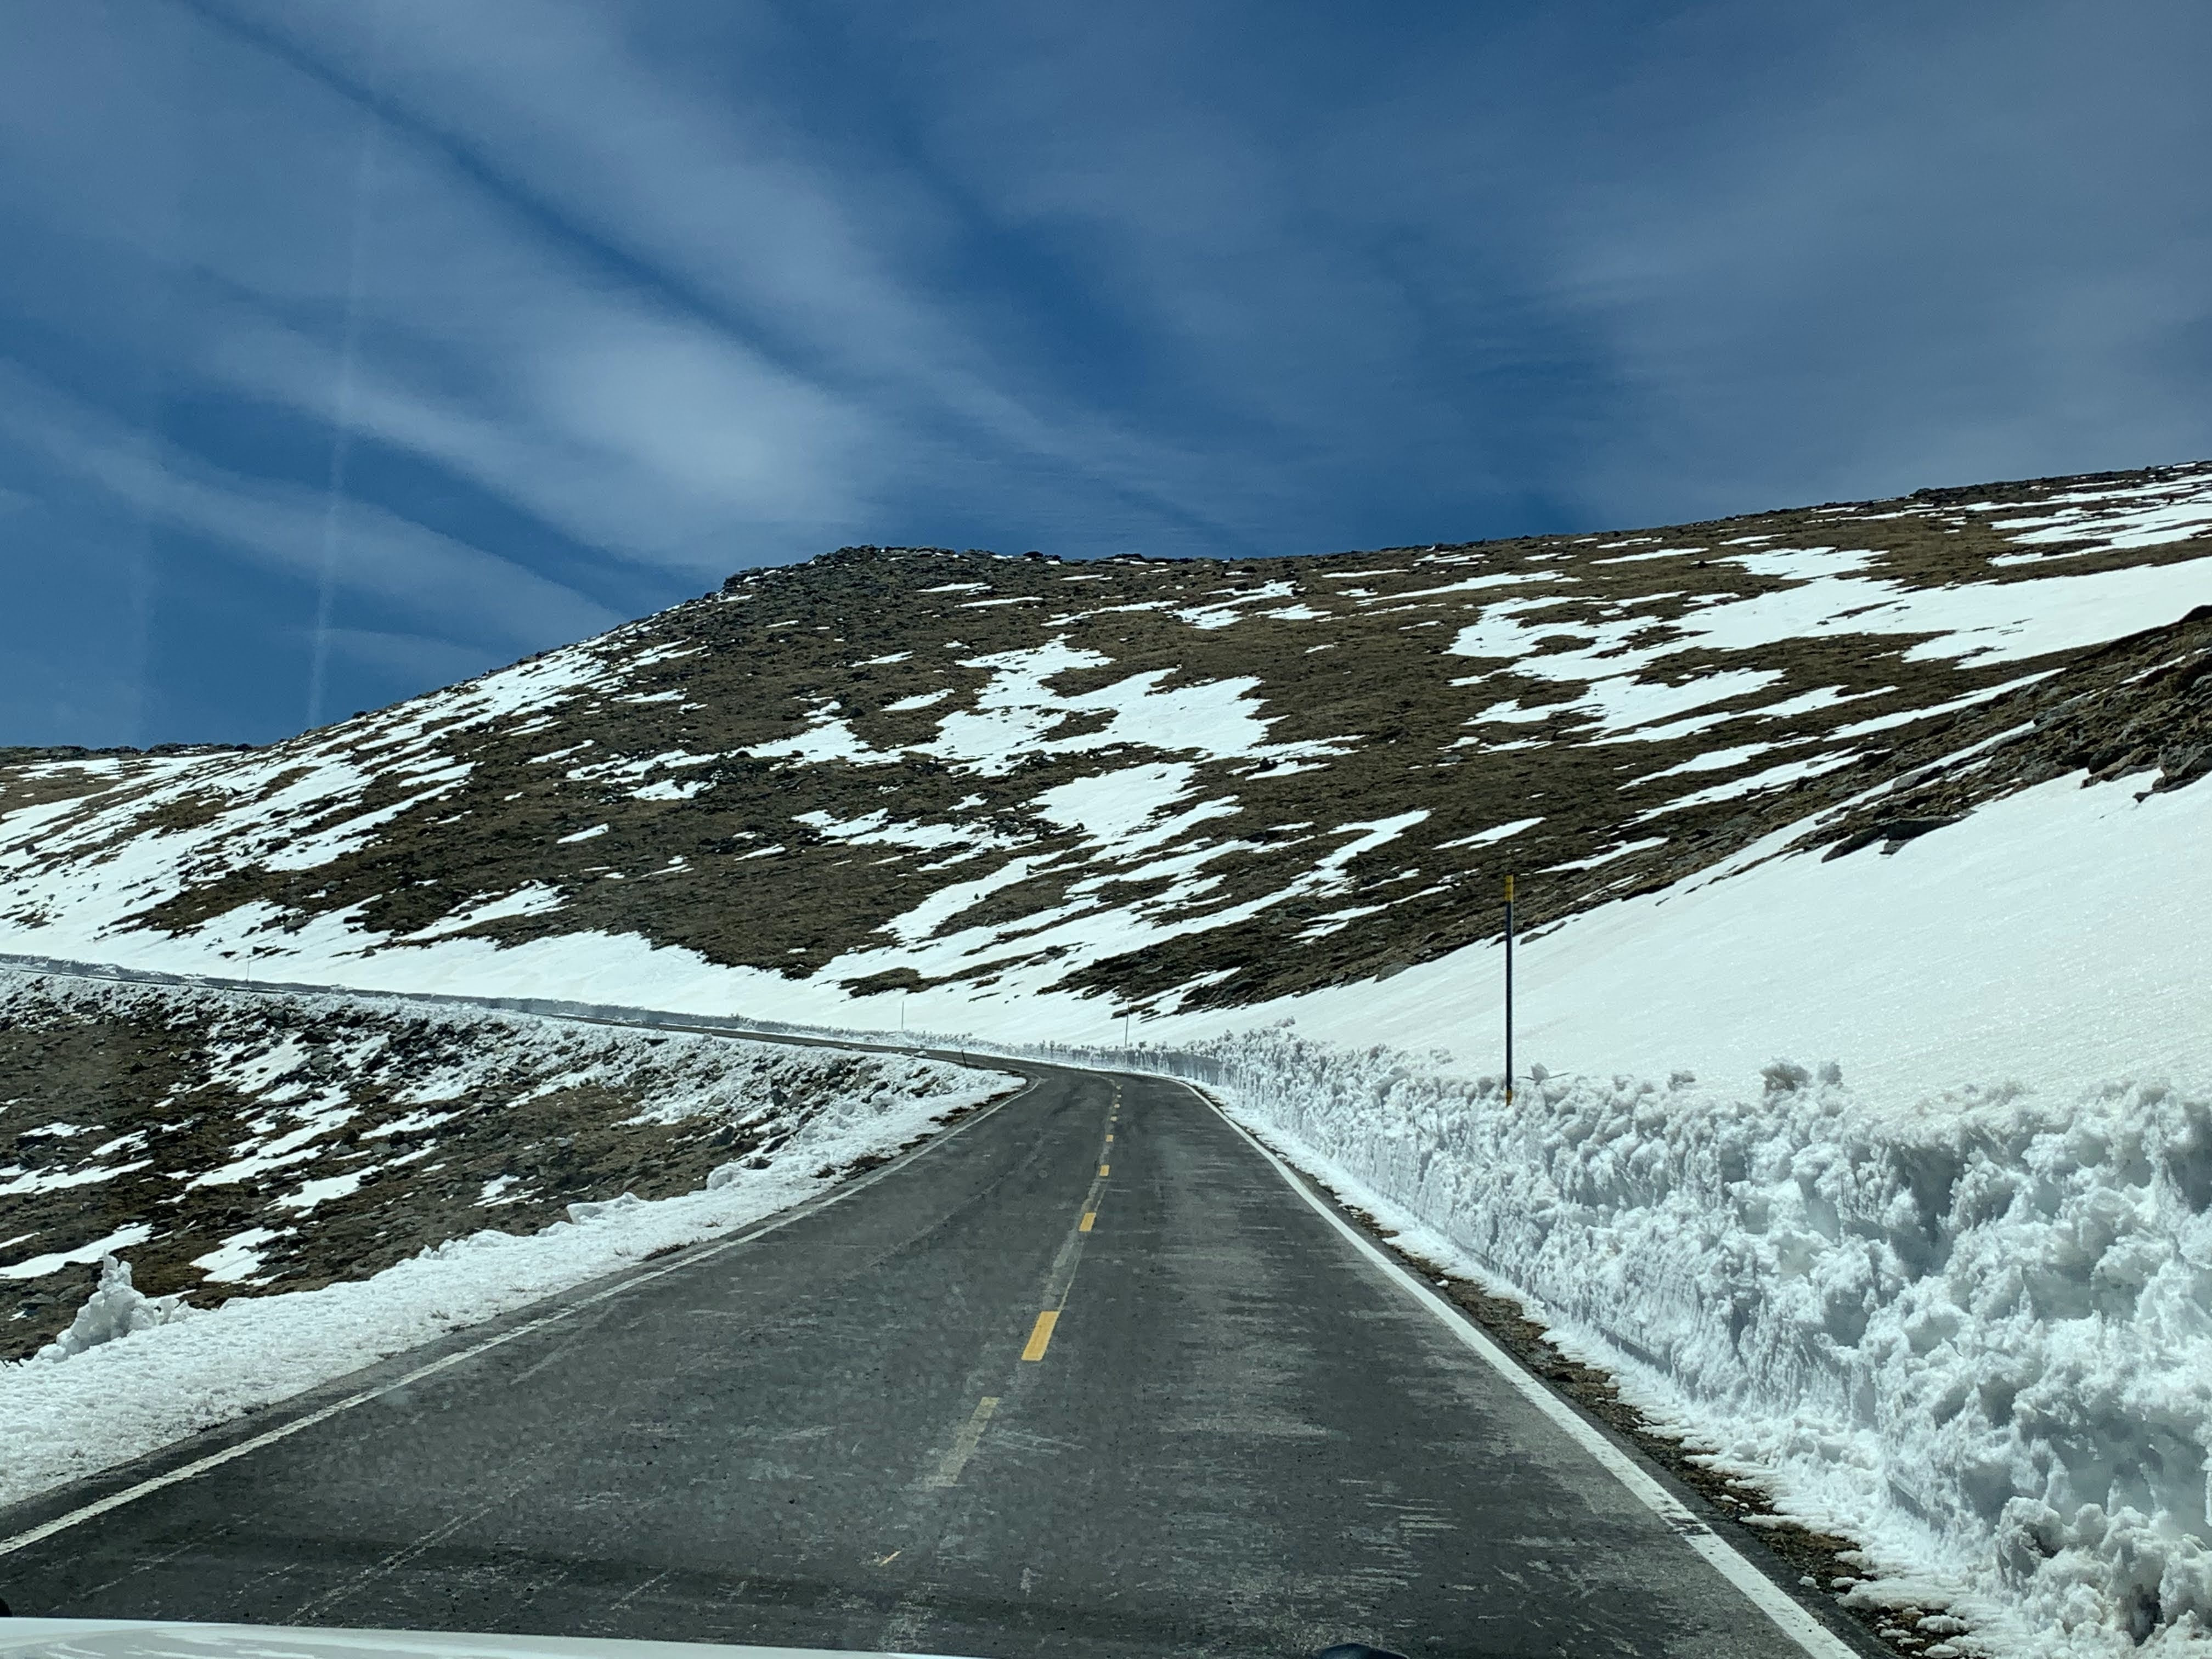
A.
pixel 1085 1378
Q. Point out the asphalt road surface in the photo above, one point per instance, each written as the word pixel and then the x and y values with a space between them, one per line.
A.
pixel 1086 1377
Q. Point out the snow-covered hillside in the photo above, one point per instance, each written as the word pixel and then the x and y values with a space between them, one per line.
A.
pixel 1013 794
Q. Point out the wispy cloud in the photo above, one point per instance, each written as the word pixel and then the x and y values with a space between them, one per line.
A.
pixel 650 291
pixel 640 434
pixel 836 263
pixel 278 526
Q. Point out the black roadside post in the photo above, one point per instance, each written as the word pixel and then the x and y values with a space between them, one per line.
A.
pixel 1508 990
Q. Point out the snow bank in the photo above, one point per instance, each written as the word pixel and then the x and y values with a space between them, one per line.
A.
pixel 1976 1336
pixel 115 1400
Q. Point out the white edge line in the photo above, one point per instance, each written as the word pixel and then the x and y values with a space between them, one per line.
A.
pixel 694 1255
pixel 1794 1620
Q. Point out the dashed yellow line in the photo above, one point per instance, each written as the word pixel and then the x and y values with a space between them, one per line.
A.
pixel 1061 1278
pixel 1041 1333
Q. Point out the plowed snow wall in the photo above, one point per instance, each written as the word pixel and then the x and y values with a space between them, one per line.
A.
pixel 1977 1332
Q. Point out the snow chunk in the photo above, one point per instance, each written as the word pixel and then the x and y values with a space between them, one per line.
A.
pixel 114 1309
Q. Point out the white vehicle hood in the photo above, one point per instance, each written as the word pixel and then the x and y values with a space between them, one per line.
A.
pixel 146 1638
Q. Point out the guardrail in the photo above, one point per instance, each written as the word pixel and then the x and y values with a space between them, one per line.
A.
pixel 1187 1064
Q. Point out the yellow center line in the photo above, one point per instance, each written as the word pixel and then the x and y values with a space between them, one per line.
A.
pixel 1040 1335
pixel 1062 1278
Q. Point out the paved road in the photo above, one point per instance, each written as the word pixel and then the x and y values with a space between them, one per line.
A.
pixel 1086 1378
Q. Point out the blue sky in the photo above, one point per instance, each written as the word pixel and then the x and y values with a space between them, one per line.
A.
pixel 346 351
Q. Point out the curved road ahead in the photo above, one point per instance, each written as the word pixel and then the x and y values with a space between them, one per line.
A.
pixel 1085 1377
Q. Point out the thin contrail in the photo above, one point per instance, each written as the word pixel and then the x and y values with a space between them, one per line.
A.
pixel 364 186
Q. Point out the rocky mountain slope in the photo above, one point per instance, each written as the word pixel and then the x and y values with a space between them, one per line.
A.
pixel 1152 785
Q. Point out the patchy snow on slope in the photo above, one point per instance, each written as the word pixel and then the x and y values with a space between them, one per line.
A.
pixel 297 806
pixel 1615 655
pixel 1016 712
pixel 533 898
pixel 826 738
pixel 2046 937
pixel 879 829
pixel 1138 760
pixel 37 1267
pixel 2172 509
pixel 1501 832
pixel 1773 777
